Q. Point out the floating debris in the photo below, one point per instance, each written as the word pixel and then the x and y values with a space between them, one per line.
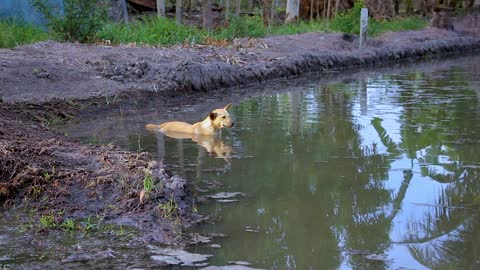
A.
pixel 215 246
pixel 230 267
pixel 170 256
pixel 252 229
pixel 224 195
pixel 198 238
pixel 240 263
pixel 227 200
pixel 377 257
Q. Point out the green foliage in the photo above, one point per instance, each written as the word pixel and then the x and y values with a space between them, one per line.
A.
pixel 79 21
pixel 17 32
pixel 301 27
pixel 151 30
pixel 168 209
pixel 48 222
pixel 349 21
pixel 409 23
pixel 239 27
pixel 148 182
pixel 68 225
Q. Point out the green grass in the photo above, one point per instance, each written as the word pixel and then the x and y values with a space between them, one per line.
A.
pixel 148 182
pixel 400 24
pixel 14 33
pixel 162 31
pixel 159 31
pixel 151 31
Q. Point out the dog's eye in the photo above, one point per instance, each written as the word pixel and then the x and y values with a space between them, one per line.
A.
pixel 223 116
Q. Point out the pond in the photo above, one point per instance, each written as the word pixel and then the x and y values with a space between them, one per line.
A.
pixel 373 170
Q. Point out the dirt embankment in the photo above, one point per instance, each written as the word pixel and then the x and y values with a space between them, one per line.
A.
pixel 44 83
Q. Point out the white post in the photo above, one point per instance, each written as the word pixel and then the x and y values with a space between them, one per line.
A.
pixel 161 8
pixel 293 9
pixel 363 27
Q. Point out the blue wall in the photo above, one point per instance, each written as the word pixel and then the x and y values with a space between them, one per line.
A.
pixel 21 9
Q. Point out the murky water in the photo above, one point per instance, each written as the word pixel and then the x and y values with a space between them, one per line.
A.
pixel 374 171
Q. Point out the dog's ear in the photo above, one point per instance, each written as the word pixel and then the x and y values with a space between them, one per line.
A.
pixel 228 106
pixel 212 115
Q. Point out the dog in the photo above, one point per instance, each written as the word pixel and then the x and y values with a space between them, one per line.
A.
pixel 216 120
pixel 201 132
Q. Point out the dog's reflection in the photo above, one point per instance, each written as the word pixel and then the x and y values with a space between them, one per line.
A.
pixel 213 144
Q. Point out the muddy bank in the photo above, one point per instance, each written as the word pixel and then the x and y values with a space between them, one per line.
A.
pixel 47 83
pixel 49 175
pixel 71 71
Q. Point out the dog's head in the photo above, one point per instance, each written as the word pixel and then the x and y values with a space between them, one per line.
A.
pixel 221 118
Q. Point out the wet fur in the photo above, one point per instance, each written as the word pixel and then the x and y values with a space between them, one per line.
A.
pixel 216 120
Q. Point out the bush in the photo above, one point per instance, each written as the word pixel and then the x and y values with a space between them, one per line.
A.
pixel 79 20
pixel 16 32
pixel 349 21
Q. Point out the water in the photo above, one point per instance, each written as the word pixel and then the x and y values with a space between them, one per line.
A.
pixel 376 170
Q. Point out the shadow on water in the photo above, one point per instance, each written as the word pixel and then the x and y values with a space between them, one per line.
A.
pixel 377 170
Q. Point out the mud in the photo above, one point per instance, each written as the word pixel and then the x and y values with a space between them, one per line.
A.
pixel 45 172
pixel 48 83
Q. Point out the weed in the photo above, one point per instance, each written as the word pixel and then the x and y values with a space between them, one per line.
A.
pixel 148 182
pixel 14 32
pixel 79 20
pixel 242 27
pixel 88 225
pixel 169 208
pixel 151 30
pixel 46 176
pixel 68 225
pixel 48 221
pixel 349 22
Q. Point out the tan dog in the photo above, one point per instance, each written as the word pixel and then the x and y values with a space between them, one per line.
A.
pixel 216 120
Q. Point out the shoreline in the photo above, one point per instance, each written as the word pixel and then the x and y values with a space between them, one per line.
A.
pixel 48 82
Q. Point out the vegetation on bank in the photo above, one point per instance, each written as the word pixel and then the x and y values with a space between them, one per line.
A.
pixel 163 31
pixel 14 33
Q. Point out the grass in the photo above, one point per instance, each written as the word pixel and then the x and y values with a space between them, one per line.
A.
pixel 162 31
pixel 148 182
pixel 168 208
pixel 152 31
pixel 159 31
pixel 15 32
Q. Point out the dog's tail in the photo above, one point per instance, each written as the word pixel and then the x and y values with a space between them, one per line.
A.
pixel 154 127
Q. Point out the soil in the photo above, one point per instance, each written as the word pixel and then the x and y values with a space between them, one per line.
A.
pixel 49 82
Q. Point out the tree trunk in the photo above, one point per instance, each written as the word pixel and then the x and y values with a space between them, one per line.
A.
pixel 311 10
pixel 161 8
pixel 409 6
pixel 178 11
pixel 250 5
pixel 337 3
pixel 124 10
pixel 380 9
pixel 207 13
pixel 227 10
pixel 396 6
pixel 293 8
pixel 238 7
pixel 272 11
pixel 266 12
